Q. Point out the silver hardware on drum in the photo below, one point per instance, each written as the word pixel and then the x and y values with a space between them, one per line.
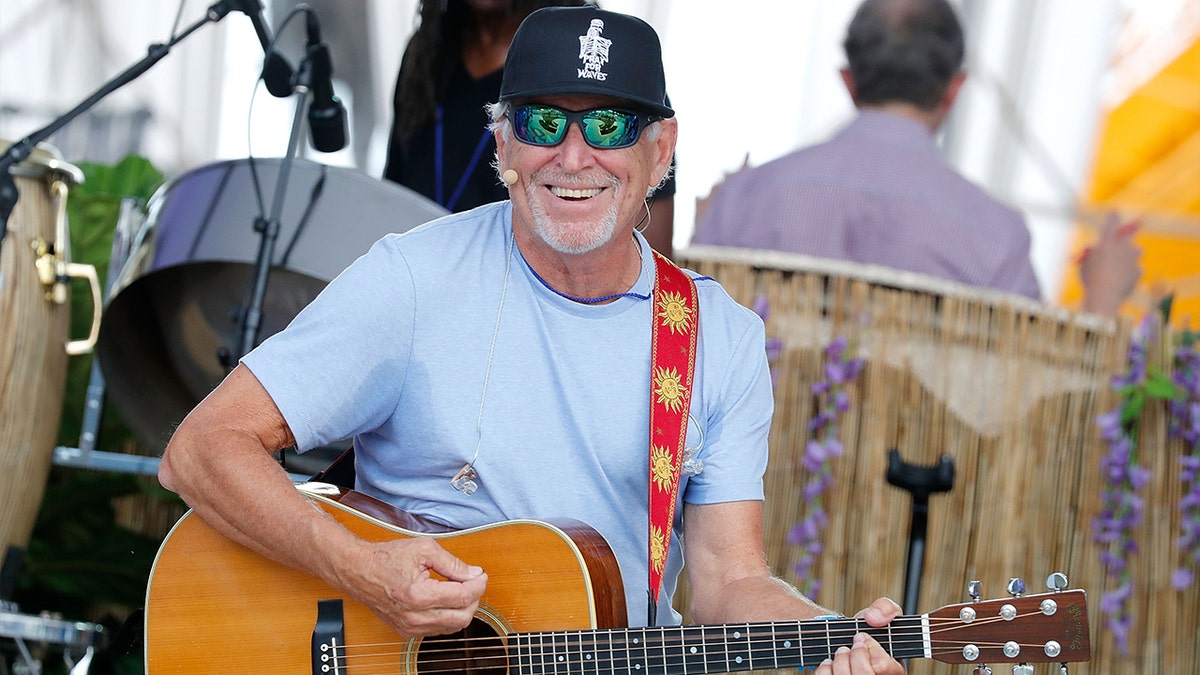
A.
pixel 73 636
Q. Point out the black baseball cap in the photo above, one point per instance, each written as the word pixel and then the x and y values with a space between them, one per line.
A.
pixel 586 50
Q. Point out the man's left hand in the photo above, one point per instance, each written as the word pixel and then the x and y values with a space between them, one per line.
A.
pixel 866 656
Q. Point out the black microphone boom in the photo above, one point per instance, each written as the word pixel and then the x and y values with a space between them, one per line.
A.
pixel 326 114
pixel 276 73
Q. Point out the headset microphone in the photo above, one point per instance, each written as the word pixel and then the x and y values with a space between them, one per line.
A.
pixel 510 177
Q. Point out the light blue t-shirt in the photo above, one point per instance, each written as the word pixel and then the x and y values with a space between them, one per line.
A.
pixel 396 350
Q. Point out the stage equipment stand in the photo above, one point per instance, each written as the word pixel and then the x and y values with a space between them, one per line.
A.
pixel 22 149
pixel 86 456
pixel 920 481
pixel 268 228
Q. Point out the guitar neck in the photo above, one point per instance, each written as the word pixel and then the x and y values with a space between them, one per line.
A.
pixel 721 648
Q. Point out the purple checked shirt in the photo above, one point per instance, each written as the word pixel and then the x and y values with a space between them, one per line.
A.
pixel 878 192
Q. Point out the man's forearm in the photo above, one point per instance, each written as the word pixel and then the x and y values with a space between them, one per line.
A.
pixel 758 598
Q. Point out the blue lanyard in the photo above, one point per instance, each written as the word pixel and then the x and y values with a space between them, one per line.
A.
pixel 439 168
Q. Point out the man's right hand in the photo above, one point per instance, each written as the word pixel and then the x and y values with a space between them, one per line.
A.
pixel 415 585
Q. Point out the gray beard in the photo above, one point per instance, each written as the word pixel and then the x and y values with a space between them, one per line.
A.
pixel 563 237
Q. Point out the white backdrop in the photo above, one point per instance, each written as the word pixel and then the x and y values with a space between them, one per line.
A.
pixel 753 79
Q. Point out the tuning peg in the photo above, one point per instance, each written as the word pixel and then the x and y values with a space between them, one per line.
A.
pixel 1022 669
pixel 1057 582
pixel 975 590
pixel 1016 587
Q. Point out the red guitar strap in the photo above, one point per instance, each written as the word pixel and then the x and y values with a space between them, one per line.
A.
pixel 676 314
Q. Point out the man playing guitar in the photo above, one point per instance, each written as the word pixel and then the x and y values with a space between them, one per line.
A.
pixel 528 359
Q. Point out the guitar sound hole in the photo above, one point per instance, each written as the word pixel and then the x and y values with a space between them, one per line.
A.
pixel 476 650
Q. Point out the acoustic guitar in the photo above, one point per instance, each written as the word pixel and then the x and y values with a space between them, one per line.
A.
pixel 554 604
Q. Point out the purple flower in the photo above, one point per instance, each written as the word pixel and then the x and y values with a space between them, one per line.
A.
pixel 811 491
pixel 835 372
pixel 1181 579
pixel 1184 424
pixel 1113 601
pixel 1123 508
pixel 841 401
pixel 774 345
pixel 833 401
pixel 835 350
pixel 1110 424
pixel 815 455
pixel 853 368
pixel 774 348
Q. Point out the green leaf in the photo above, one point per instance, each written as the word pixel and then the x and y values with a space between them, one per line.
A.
pixel 1164 308
pixel 1159 386
pixel 93 208
pixel 1131 412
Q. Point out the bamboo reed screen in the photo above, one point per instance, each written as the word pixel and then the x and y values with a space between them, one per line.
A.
pixel 1010 390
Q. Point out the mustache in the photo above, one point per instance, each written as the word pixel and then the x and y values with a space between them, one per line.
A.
pixel 580 179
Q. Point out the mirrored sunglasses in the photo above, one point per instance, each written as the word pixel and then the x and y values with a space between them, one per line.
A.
pixel 603 128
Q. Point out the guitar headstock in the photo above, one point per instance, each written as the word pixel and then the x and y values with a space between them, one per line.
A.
pixel 1044 628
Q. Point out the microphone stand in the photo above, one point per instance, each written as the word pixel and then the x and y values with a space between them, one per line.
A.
pixel 268 228
pixel 22 149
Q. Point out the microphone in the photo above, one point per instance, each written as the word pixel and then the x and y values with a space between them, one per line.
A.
pixel 510 177
pixel 326 114
pixel 276 73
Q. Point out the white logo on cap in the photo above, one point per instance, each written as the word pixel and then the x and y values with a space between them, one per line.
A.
pixel 593 51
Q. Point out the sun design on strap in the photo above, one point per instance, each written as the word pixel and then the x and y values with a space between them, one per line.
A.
pixel 669 389
pixel 658 549
pixel 662 469
pixel 674 312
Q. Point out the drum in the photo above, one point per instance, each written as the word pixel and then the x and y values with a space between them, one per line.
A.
pixel 1008 388
pixel 34 322
pixel 172 321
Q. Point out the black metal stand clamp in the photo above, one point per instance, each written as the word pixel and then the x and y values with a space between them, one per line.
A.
pixel 920 481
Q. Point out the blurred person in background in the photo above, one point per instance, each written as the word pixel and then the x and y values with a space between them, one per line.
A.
pixel 880 192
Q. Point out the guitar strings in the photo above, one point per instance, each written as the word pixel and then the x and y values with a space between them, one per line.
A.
pixel 502 653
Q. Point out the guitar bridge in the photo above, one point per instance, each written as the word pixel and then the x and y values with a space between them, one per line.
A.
pixel 329 639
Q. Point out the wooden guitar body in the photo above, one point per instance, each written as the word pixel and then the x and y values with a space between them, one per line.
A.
pixel 213 606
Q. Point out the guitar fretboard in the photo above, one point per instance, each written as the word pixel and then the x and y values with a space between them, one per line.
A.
pixel 684 650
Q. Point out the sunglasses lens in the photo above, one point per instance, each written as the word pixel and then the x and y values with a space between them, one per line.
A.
pixel 603 128
pixel 540 125
pixel 606 128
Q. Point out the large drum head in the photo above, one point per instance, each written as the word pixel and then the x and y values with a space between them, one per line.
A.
pixel 173 319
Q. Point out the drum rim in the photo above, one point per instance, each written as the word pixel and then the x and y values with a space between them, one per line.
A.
pixel 343 172
pixel 37 628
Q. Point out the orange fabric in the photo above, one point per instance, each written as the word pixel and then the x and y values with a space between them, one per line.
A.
pixel 1148 166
